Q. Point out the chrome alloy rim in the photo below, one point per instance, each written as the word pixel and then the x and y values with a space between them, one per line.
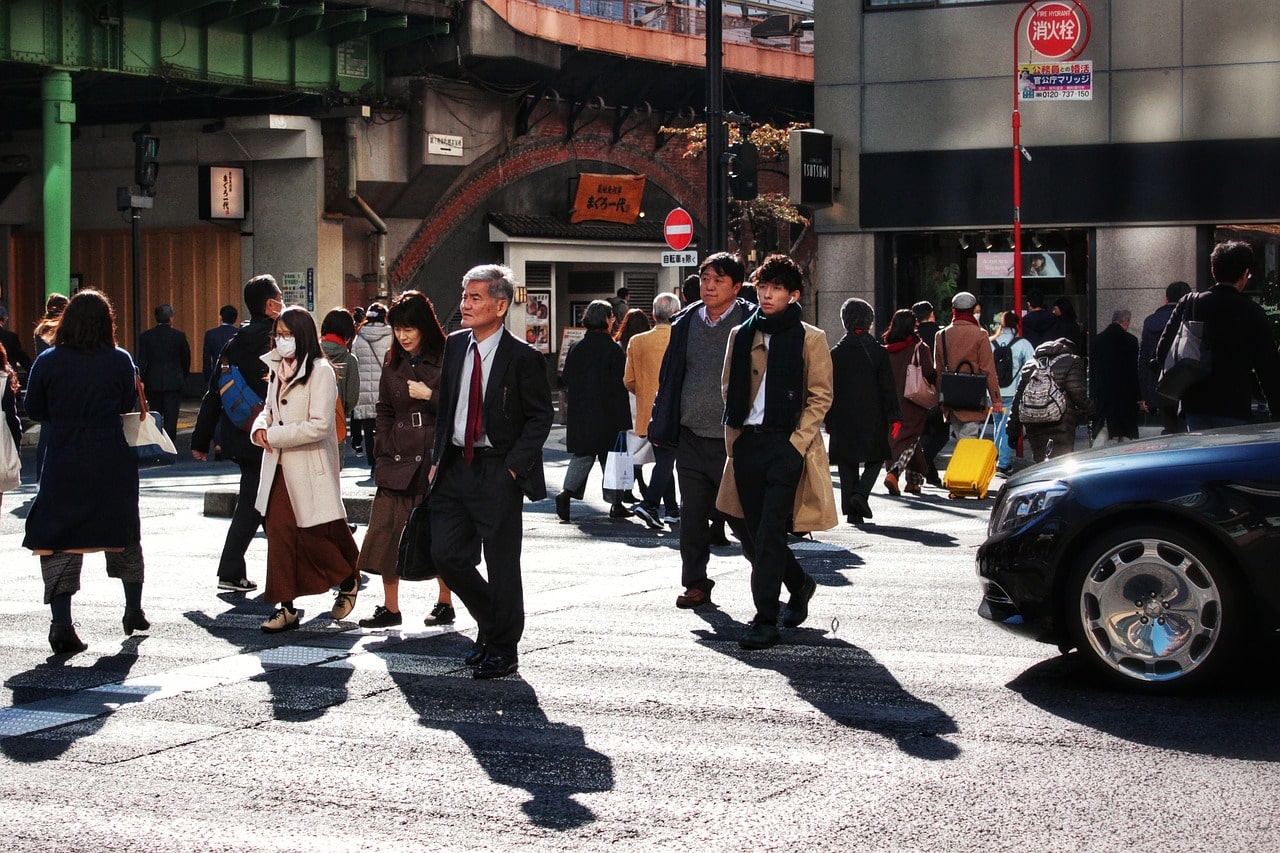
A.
pixel 1150 610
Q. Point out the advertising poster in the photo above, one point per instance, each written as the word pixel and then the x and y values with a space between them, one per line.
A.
pixel 537 320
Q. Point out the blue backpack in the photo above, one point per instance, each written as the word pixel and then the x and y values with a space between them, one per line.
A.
pixel 240 403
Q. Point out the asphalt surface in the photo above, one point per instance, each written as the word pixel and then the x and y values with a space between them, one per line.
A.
pixel 894 719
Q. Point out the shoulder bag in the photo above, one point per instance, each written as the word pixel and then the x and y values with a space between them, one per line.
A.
pixel 917 389
pixel 961 389
pixel 414 563
pixel 1189 359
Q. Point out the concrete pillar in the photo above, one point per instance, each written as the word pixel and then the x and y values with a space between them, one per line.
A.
pixel 59 115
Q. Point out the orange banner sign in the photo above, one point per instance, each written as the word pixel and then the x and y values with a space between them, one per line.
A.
pixel 608 198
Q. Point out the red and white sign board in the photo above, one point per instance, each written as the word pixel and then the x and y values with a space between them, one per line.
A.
pixel 677 228
pixel 1054 30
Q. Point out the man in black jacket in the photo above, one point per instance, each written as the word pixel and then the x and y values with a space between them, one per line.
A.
pixel 244 350
pixel 12 343
pixel 164 359
pixel 1238 337
pixel 494 416
pixel 1148 376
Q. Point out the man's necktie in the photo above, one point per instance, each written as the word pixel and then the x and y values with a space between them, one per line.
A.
pixel 475 408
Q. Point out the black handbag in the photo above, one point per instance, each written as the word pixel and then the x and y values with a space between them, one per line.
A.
pixel 957 389
pixel 414 563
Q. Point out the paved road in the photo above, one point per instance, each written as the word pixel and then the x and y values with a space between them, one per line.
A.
pixel 894 720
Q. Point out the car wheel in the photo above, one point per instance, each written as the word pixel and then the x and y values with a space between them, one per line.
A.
pixel 1153 608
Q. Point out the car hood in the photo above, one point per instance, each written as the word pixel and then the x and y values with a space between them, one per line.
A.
pixel 1165 451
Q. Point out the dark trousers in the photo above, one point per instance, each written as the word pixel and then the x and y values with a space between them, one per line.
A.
pixel 699 467
pixel 662 482
pixel 167 403
pixel 767 469
pixel 851 483
pixel 245 522
pixel 473 507
pixel 935 436
pixel 362 431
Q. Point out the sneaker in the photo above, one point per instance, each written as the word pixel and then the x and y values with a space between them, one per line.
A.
pixel 344 602
pixel 242 585
pixel 761 635
pixel 441 614
pixel 281 620
pixel 381 618
pixel 672 516
pixel 648 516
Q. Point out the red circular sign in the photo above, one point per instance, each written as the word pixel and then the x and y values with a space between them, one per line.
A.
pixel 678 229
pixel 1054 30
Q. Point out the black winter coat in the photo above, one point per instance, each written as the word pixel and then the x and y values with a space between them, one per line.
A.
pixel 1152 328
pixel 405 431
pixel 1113 375
pixel 1071 377
pixel 863 402
pixel 598 404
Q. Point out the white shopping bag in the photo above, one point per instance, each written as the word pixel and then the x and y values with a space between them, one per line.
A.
pixel 619 467
pixel 641 449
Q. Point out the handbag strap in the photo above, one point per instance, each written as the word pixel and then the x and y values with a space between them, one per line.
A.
pixel 142 395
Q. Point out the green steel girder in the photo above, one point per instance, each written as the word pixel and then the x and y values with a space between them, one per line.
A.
pixel 374 26
pixel 237 9
pixel 330 19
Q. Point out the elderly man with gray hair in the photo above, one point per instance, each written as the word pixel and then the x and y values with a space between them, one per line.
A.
pixel 1113 374
pixel 644 363
pixel 164 359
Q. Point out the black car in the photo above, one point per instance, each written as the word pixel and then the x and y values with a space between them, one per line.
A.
pixel 1156 558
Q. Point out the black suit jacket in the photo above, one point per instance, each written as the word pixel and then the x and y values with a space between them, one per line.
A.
pixel 164 358
pixel 13 348
pixel 517 406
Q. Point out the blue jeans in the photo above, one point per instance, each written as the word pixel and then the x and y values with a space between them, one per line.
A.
pixel 1003 448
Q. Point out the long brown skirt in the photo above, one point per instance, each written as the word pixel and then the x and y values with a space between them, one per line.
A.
pixel 381 545
pixel 303 560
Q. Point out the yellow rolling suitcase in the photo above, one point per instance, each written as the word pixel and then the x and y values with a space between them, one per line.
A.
pixel 972 465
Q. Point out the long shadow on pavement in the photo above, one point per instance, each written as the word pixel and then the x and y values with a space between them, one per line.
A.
pixel 510 736
pixel 842 681
pixel 57 686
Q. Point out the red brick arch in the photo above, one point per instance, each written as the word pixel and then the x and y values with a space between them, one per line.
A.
pixel 681 179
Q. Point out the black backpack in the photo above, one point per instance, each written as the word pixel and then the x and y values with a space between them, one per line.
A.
pixel 1003 354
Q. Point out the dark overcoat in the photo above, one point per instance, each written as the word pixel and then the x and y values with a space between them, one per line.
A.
pixel 88 498
pixel 406 427
pixel 598 405
pixel 164 358
pixel 914 417
pixel 864 401
pixel 1113 382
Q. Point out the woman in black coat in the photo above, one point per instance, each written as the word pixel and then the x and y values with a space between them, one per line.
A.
pixel 88 498
pixel 863 407
pixel 598 406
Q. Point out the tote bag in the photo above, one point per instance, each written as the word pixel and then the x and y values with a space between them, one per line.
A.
pixel 961 389
pixel 143 432
pixel 1189 359
pixel 917 389
pixel 619 467
pixel 10 461
pixel 413 562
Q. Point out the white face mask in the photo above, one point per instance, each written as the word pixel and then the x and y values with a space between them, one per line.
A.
pixel 287 347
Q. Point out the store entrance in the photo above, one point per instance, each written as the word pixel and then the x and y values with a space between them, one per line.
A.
pixel 935 265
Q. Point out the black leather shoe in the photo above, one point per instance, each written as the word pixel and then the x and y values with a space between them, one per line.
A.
pixel 798 605
pixel 617 510
pixel 63 640
pixel 562 506
pixel 761 635
pixel 476 655
pixel 497 666
pixel 135 620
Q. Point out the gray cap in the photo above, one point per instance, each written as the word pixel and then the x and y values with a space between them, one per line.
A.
pixel 964 301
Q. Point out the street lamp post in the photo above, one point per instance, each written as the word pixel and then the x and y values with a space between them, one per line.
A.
pixel 717 201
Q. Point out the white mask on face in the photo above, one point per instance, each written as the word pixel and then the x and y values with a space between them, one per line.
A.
pixel 287 347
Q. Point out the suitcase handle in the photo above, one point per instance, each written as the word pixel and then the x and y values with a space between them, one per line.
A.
pixel 983 431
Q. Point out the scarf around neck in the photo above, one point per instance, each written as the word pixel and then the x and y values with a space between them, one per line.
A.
pixel 784 390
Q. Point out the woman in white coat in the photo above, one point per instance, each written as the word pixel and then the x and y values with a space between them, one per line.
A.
pixel 310 549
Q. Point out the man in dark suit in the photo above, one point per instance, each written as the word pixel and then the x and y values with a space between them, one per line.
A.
pixel 12 344
pixel 484 460
pixel 216 338
pixel 164 357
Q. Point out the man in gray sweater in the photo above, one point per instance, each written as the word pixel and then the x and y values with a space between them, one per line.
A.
pixel 688 414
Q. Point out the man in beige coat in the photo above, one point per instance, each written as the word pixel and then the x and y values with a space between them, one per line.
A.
pixel 966 343
pixel 644 363
pixel 777 384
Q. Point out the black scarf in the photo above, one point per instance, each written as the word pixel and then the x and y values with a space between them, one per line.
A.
pixel 784 386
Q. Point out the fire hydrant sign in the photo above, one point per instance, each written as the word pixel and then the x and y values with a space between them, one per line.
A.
pixel 1055 81
pixel 1053 30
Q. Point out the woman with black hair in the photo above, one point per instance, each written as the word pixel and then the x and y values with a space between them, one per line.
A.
pixel 88 497
pixel 403 438
pixel 309 546
pixel 906 457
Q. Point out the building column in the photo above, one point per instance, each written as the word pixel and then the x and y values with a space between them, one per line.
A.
pixel 59 115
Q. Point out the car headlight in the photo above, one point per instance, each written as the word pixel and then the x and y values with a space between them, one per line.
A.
pixel 1024 503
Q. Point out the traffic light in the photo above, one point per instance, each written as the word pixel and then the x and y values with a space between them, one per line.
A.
pixel 744 160
pixel 145 168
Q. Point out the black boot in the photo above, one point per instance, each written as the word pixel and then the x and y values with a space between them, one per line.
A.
pixel 63 639
pixel 135 620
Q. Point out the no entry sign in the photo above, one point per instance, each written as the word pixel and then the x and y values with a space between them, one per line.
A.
pixel 678 229
pixel 1054 30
